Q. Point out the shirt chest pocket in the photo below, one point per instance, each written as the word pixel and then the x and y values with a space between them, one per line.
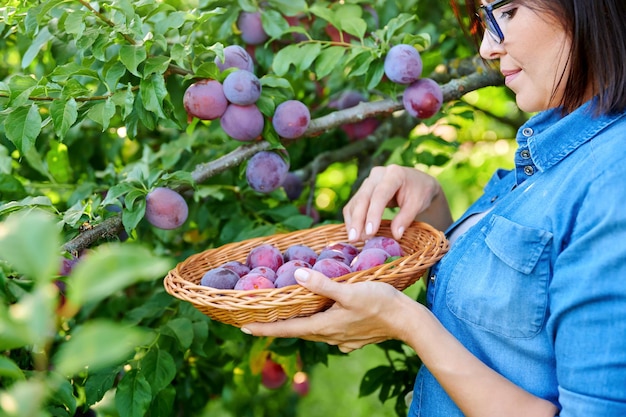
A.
pixel 500 283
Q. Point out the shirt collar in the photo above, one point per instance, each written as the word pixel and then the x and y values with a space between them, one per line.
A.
pixel 551 137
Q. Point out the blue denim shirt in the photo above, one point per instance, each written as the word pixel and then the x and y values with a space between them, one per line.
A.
pixel 536 289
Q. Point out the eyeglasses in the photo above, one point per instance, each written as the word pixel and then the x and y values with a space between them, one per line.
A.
pixel 488 20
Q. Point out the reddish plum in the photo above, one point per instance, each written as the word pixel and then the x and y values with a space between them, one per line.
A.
pixel 403 64
pixel 205 100
pixel 388 244
pixel 423 98
pixel 252 281
pixel 300 252
pixel 369 258
pixel 332 268
pixel 265 255
pixel 235 57
pixel 165 208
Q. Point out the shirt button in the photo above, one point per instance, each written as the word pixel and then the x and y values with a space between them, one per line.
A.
pixel 433 277
pixel 525 153
pixel 527 132
pixel 529 170
pixel 494 198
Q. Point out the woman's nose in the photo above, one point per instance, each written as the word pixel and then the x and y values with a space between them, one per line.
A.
pixel 490 49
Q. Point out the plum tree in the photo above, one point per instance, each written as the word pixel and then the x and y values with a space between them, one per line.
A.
pixel 205 100
pixel 291 119
pixel 220 278
pixel 266 171
pixel 165 208
pixel 242 87
pixel 242 123
pixel 423 98
pixel 403 64
pixel 252 32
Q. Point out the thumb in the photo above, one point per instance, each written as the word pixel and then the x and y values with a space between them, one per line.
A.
pixel 318 283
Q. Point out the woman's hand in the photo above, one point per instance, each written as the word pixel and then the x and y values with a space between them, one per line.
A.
pixel 364 313
pixel 418 195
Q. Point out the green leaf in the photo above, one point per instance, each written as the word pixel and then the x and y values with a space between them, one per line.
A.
pixel 159 368
pixel 350 21
pixel 373 379
pixel 59 162
pixel 42 38
pixel 289 7
pixel 22 126
pixel 133 395
pixel 274 23
pixel 329 60
pixel 64 114
pixel 181 329
pixel 99 382
pixel 90 347
pixel 153 91
pixel 306 55
pixel 284 58
pixel 30 242
pixel 9 369
pixel 156 65
pixel 131 56
pixel 325 13
pixel 112 267
pixel 102 113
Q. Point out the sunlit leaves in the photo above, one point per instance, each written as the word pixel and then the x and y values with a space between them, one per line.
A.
pixel 22 126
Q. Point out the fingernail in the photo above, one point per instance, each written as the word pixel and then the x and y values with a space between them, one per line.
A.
pixel 400 231
pixel 369 228
pixel 352 234
pixel 246 330
pixel 302 275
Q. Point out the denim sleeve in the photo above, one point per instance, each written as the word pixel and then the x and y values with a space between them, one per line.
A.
pixel 588 305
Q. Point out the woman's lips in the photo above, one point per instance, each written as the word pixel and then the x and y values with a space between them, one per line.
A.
pixel 509 76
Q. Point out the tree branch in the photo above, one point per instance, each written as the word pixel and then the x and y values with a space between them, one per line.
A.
pixel 452 90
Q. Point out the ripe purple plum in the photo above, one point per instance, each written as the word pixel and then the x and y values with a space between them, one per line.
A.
pixel 165 208
pixel 252 32
pixel 423 98
pixel 369 258
pixel 239 267
pixel 291 119
pixel 265 255
pixel 403 64
pixel 220 278
pixel 266 171
pixel 285 274
pixel 265 271
pixel 242 123
pixel 332 268
pixel 357 130
pixel 293 186
pixel 235 56
pixel 242 87
pixel 205 100
pixel 333 254
pixel 388 244
pixel 300 252
pixel 252 281
pixel 350 251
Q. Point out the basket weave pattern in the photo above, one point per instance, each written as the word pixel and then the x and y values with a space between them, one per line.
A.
pixel 422 246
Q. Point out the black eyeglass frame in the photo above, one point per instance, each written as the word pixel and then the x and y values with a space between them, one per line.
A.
pixel 485 15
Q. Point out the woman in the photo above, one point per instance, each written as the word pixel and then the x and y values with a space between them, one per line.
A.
pixel 526 314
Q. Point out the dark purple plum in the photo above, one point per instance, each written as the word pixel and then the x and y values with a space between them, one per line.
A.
pixel 242 87
pixel 300 252
pixel 403 64
pixel 265 171
pixel 284 274
pixel 423 98
pixel 291 119
pixel 205 100
pixel 333 254
pixel 388 244
pixel 265 255
pixel 220 278
pixel 267 272
pixel 293 186
pixel 243 123
pixel 239 267
pixel 252 32
pixel 369 258
pixel 349 250
pixel 235 57
pixel 165 208
pixel 332 268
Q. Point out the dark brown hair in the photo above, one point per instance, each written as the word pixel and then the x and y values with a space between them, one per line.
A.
pixel 598 55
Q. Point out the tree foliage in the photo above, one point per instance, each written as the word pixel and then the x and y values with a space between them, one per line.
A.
pixel 92 119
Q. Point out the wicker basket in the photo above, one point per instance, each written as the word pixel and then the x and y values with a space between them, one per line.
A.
pixel 422 246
